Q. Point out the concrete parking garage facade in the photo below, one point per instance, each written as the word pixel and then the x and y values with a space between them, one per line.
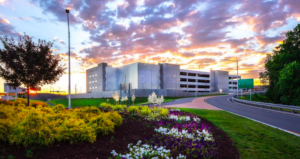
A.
pixel 164 79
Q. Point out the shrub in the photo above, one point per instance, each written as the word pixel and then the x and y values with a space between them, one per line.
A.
pixel 34 131
pixel 145 111
pixel 35 104
pixel 5 128
pixel 76 130
pixel 106 107
pixel 40 126
pixel 115 117
pixel 102 124
pixel 59 108
pixel 93 110
pixel 5 102
pixel 164 113
pixel 134 110
pixel 19 101
pixel 120 108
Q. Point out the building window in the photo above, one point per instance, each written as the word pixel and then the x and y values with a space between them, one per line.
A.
pixel 191 86
pixel 203 86
pixel 203 81
pixel 203 75
pixel 96 87
pixel 191 74
pixel 95 74
pixel 183 73
pixel 183 79
pixel 96 81
pixel 191 80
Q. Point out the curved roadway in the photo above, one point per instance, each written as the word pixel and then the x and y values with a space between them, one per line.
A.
pixel 289 123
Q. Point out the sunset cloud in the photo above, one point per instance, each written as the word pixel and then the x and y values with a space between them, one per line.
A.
pixel 191 33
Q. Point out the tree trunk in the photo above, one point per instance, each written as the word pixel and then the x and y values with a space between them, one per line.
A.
pixel 28 96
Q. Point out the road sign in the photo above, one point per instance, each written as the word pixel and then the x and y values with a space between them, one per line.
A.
pixel 246 83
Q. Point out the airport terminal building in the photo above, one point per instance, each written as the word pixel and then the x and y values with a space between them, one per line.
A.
pixel 164 79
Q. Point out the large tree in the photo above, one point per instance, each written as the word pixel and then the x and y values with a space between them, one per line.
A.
pixel 289 84
pixel 285 53
pixel 26 63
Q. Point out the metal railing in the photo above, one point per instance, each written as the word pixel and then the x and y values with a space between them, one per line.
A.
pixel 279 107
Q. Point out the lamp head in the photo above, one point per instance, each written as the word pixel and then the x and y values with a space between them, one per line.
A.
pixel 67 10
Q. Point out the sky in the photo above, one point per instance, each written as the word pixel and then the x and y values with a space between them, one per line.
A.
pixel 197 34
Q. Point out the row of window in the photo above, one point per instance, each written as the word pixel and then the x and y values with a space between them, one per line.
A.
pixel 193 74
pixel 93 81
pixel 193 86
pixel 93 75
pixel 193 80
pixel 235 83
pixel 93 87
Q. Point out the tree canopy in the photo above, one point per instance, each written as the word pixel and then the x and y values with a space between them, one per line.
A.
pixel 284 54
pixel 24 62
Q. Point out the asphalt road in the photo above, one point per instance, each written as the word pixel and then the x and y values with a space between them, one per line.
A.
pixel 290 123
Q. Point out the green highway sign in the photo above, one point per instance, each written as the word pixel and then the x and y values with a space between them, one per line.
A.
pixel 246 83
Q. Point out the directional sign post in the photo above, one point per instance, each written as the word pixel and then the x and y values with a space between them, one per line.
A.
pixel 246 83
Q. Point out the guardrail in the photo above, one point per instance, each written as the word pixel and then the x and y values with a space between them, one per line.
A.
pixel 280 107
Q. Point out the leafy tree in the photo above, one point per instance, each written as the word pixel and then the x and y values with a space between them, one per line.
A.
pixel 289 82
pixel 285 53
pixel 30 64
pixel 264 79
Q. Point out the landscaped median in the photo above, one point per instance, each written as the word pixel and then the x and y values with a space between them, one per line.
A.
pixel 108 131
pixel 252 139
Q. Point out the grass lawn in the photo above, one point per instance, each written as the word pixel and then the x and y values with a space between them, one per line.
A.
pixel 252 139
pixel 79 102
pixel 31 100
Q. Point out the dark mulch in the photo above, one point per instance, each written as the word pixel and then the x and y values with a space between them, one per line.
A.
pixel 131 131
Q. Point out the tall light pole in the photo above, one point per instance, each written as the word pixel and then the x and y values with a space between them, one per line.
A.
pixel 69 106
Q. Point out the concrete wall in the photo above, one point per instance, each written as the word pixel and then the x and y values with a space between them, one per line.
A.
pixel 96 78
pixel 169 76
pixel 131 74
pixel 219 80
pixel 111 78
pixel 139 93
pixel 148 76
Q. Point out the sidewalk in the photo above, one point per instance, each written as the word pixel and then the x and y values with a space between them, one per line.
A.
pixel 197 103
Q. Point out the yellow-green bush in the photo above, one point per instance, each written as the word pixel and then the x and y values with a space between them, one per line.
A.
pixel 102 124
pixel 134 110
pixel 75 130
pixel 20 101
pixel 120 108
pixel 115 117
pixel 35 104
pixel 106 107
pixel 40 125
pixel 163 112
pixel 59 108
pixel 145 111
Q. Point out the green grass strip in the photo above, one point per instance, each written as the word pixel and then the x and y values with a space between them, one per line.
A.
pixel 253 139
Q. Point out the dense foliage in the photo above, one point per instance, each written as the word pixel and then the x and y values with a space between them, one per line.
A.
pixel 24 62
pixel 39 124
pixel 284 54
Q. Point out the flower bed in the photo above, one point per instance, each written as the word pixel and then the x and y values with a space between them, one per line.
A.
pixel 162 133
pixel 178 133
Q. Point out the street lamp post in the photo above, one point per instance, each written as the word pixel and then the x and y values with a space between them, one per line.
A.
pixel 69 106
